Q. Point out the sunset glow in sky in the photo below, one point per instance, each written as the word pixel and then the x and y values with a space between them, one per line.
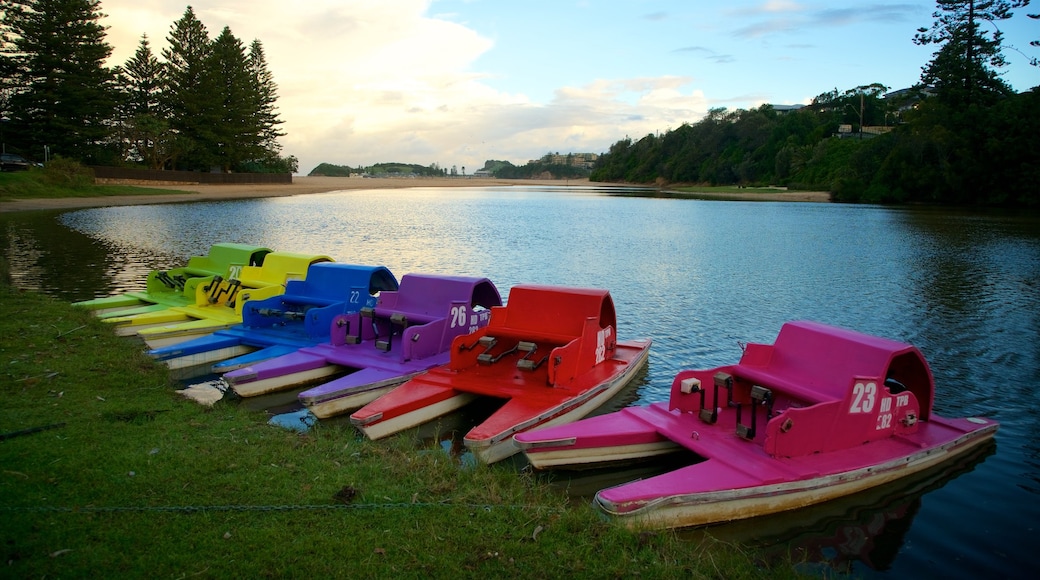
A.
pixel 457 82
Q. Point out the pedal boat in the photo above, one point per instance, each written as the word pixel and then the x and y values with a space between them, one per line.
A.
pixel 407 332
pixel 822 413
pixel 218 304
pixel 551 354
pixel 281 324
pixel 176 286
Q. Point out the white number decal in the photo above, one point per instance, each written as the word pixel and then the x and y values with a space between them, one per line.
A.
pixel 234 272
pixel 458 316
pixel 884 421
pixel 355 296
pixel 863 397
pixel 601 343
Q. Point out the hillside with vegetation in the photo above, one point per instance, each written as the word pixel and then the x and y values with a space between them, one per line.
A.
pixel 378 170
pixel 963 136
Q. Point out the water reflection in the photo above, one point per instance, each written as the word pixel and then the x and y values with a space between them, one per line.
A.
pixel 852 535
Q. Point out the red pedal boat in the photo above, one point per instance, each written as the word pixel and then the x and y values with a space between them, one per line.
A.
pixel 551 354
pixel 822 413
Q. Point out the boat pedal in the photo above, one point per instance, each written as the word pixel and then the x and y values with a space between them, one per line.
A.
pixel 721 380
pixel 383 345
pixel 214 283
pixel 398 319
pixel 347 337
pixel 368 312
pixel 526 363
pixel 759 396
pixel 488 342
pixel 487 359
pixel 165 278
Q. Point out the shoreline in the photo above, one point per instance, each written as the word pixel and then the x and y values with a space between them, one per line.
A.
pixel 303 185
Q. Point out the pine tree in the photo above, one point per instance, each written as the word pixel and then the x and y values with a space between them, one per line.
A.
pixel 142 79
pixel 962 71
pixel 62 95
pixel 266 93
pixel 235 136
pixel 145 133
pixel 188 98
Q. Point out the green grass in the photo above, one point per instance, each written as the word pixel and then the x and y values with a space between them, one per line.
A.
pixel 60 181
pixel 105 489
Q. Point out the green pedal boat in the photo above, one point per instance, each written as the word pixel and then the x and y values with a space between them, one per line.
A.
pixel 176 286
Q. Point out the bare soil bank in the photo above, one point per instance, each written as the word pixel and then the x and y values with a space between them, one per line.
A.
pixel 306 185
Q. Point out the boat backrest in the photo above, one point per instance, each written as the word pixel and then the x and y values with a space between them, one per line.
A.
pixel 426 297
pixel 818 363
pixel 222 257
pixel 279 268
pixel 555 313
pixel 334 282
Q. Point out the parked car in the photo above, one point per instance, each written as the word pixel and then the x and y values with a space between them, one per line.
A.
pixel 12 162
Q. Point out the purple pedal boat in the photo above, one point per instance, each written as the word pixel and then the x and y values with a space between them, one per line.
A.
pixel 408 331
pixel 822 413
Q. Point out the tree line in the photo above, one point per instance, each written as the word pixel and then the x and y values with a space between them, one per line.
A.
pixel 378 170
pixel 962 136
pixel 208 104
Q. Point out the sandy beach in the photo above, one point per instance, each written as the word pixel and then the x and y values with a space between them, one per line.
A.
pixel 303 185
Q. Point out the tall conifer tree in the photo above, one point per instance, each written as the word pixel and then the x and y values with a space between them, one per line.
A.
pixel 963 70
pixel 61 92
pixel 192 111
pixel 266 93
pixel 146 134
pixel 236 135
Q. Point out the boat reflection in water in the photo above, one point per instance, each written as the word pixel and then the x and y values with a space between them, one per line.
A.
pixel 867 527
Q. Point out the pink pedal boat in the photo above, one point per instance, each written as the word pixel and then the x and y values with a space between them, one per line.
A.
pixel 551 354
pixel 407 332
pixel 822 413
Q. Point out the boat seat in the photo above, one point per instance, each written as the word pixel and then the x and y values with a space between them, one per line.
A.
pixel 276 313
pixel 399 320
pixel 791 385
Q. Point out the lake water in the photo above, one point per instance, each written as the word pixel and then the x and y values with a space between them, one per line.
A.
pixel 699 277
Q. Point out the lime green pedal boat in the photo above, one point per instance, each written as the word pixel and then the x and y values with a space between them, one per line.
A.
pixel 176 286
pixel 218 303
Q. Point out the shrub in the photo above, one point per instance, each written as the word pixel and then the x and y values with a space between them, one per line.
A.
pixel 67 173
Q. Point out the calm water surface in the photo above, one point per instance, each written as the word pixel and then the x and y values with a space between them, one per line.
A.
pixel 699 277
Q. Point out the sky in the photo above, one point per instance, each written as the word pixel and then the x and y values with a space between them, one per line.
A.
pixel 459 82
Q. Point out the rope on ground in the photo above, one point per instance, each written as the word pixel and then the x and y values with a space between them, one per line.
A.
pixel 262 508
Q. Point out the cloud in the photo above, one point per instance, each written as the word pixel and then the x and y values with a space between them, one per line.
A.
pixel 365 81
pixel 779 17
pixel 708 53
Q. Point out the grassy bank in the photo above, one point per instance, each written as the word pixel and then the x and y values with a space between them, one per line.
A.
pixel 63 179
pixel 106 470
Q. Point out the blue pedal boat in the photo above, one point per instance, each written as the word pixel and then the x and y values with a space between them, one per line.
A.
pixel 284 323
